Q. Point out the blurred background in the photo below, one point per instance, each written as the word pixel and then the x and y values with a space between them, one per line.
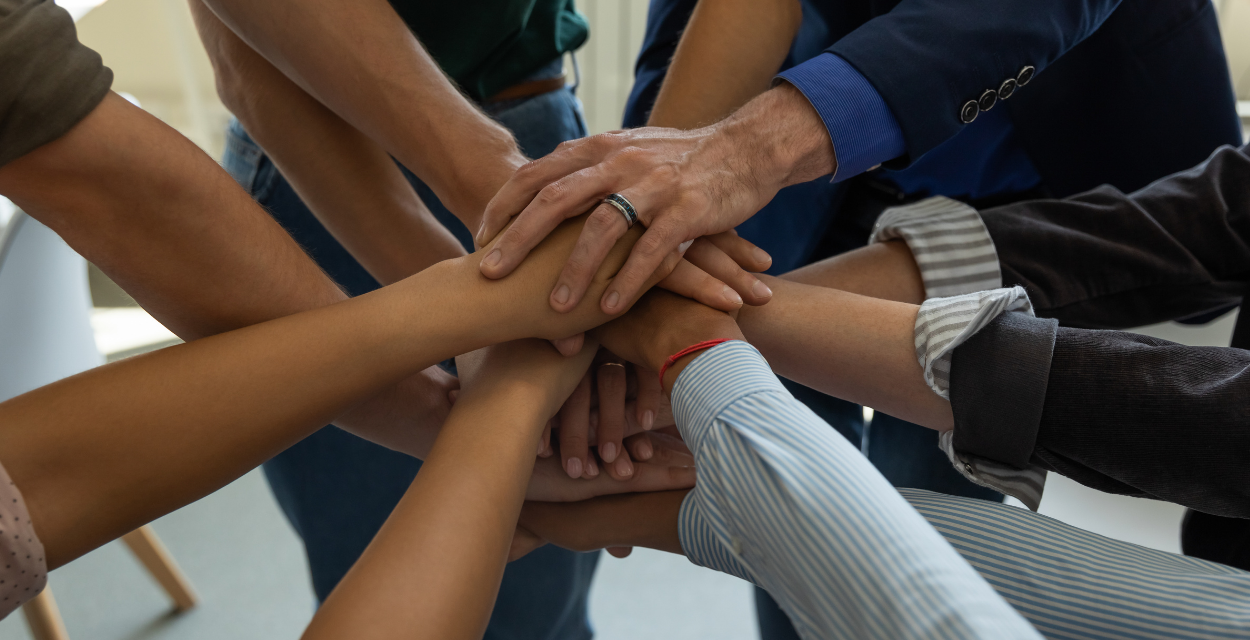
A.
pixel 236 548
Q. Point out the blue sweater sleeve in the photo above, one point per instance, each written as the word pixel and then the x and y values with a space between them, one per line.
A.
pixel 861 125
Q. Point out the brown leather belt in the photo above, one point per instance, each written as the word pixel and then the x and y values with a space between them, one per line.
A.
pixel 528 89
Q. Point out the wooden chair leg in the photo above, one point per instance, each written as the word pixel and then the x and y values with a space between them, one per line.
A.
pixel 156 558
pixel 43 618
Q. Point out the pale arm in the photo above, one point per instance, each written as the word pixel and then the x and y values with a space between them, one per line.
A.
pixel 728 54
pixel 360 60
pixel 349 182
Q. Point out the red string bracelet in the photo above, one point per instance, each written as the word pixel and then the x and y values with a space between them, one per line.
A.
pixel 707 344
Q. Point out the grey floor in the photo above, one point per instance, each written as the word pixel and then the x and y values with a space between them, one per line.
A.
pixel 248 568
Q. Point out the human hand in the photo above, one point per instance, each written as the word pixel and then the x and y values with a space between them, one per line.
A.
pixel 612 408
pixel 615 522
pixel 684 185
pixel 661 324
pixel 407 416
pixel 669 466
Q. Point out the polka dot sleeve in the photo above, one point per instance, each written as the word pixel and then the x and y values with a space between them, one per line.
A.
pixel 23 572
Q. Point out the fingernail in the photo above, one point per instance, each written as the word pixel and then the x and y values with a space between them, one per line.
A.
pixel 574 467
pixel 592 469
pixel 542 446
pixel 762 256
pixel 608 452
pixel 761 290
pixel 611 301
pixel 648 420
pixel 452 395
pixel 644 450
pixel 731 295
pixel 493 258
pixel 624 468
pixel 561 296
pixel 681 248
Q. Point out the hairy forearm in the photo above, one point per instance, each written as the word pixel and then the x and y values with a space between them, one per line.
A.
pixel 728 54
pixel 361 61
pixel 434 568
pixel 349 182
pixel 850 346
pixel 165 222
pixel 777 139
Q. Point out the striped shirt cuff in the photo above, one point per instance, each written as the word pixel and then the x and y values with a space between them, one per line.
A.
pixel 1025 485
pixel 952 247
pixel 716 379
pixel 945 323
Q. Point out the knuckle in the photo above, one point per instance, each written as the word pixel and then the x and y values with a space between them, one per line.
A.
pixel 601 221
pixel 551 194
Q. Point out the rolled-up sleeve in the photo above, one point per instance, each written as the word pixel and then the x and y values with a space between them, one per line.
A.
pixel 49 81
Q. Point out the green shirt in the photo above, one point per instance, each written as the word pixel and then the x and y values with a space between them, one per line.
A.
pixel 489 45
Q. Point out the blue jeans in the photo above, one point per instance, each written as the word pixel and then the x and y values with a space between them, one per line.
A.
pixel 337 489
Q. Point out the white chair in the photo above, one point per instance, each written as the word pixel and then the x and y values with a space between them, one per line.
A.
pixel 46 335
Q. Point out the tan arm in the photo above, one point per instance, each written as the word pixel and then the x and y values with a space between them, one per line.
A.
pixel 349 182
pixel 360 60
pixel 728 54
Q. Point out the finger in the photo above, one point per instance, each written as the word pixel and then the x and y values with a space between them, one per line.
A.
pixel 611 429
pixel 518 192
pixel 575 429
pixel 705 255
pixel 603 228
pixel 742 251
pixel 570 346
pixel 640 447
pixel 568 197
pixel 620 552
pixel 645 258
pixel 692 282
pixel 650 397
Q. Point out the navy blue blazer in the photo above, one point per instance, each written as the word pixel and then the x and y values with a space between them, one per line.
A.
pixel 1125 91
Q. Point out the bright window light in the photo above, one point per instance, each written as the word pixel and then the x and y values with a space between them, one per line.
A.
pixel 79 8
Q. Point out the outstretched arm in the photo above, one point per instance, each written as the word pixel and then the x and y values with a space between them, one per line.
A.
pixel 349 181
pixel 98 466
pixel 434 568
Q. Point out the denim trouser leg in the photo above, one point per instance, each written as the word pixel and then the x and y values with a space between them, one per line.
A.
pixel 337 489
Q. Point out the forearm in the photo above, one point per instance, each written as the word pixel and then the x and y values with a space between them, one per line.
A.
pixel 361 61
pixel 434 568
pixel 349 182
pixel 728 54
pixel 164 221
pixel 646 520
pixel 101 453
pixel 853 347
pixel 883 270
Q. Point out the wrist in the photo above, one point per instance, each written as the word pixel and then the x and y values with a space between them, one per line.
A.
pixel 784 135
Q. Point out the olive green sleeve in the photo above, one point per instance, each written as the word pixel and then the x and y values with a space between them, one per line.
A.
pixel 48 80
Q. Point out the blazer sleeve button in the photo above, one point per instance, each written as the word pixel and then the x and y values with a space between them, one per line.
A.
pixel 969 111
pixel 988 99
pixel 1007 88
pixel 1025 75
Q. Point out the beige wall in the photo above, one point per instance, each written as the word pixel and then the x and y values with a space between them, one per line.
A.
pixel 153 50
